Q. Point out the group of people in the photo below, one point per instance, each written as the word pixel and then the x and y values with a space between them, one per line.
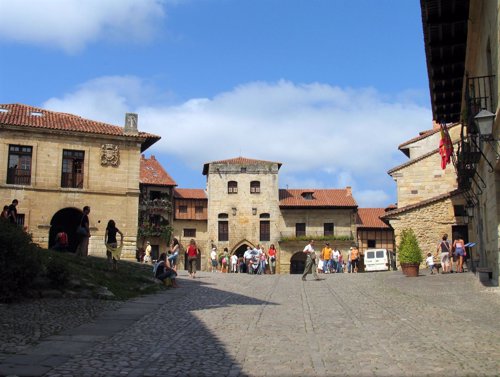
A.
pixel 330 260
pixel 9 212
pixel 448 254
pixel 165 268
pixel 254 261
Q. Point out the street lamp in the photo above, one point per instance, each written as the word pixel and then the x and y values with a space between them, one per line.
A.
pixel 484 120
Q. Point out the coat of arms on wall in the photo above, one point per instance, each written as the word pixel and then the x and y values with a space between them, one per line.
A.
pixel 110 155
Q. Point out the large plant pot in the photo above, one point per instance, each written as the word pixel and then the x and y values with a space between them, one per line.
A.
pixel 410 269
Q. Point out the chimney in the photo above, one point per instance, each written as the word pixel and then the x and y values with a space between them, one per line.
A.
pixel 153 157
pixel 349 190
pixel 435 125
pixel 131 124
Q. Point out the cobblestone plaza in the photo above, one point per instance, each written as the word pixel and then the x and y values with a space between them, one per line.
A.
pixel 372 324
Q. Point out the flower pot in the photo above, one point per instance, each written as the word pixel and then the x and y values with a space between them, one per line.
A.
pixel 410 269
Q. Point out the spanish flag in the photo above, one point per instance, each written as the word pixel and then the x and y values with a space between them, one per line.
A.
pixel 445 146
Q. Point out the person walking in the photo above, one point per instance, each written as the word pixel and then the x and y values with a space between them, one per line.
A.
pixel 459 250
pixel 82 250
pixel 272 259
pixel 444 251
pixel 349 260
pixel 192 254
pixel 310 261
pixel 113 250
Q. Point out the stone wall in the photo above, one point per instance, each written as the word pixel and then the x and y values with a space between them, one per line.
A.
pixel 429 223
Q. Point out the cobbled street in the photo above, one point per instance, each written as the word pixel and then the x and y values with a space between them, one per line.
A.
pixel 372 324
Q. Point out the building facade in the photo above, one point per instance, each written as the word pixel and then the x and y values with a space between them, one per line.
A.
pixel 55 163
pixel 461 43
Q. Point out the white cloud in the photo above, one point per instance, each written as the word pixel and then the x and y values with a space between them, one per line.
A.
pixel 325 136
pixel 72 24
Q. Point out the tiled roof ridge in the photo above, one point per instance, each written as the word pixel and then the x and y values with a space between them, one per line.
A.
pixel 190 193
pixel 425 134
pixel 242 159
pixel 414 160
pixel 338 197
pixel 422 203
pixel 153 173
pixel 86 125
pixel 370 217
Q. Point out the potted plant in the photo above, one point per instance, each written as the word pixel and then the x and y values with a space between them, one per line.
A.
pixel 410 254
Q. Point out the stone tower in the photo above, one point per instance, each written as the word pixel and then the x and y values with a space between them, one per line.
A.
pixel 243 203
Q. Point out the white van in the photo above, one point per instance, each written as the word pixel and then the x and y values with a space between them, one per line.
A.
pixel 376 260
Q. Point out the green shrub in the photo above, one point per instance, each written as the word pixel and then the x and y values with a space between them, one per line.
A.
pixel 409 251
pixel 19 261
pixel 57 272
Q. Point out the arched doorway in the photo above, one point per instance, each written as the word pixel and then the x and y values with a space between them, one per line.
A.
pixel 65 220
pixel 298 262
pixel 241 250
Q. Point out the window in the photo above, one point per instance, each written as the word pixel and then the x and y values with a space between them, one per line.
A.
pixel 372 244
pixel 154 195
pixel 300 229
pixel 223 231
pixel 254 187
pixel 307 195
pixel 243 170
pixel 190 233
pixel 20 219
pixel 380 253
pixel 72 169
pixel 265 230
pixel 328 229
pixel 19 168
pixel 232 187
pixel 198 209
pixel 183 209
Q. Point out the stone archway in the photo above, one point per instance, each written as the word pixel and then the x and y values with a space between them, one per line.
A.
pixel 65 220
pixel 240 248
pixel 298 262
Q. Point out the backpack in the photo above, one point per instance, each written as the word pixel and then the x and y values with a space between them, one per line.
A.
pixel 155 267
pixel 63 239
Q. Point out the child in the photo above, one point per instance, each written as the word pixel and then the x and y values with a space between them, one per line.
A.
pixel 430 262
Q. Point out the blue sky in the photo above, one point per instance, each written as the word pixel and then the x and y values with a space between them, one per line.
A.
pixel 329 88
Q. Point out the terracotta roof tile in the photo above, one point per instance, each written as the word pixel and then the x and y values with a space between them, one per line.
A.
pixel 370 218
pixel 240 161
pixel 320 198
pixel 190 194
pixel 28 116
pixel 152 173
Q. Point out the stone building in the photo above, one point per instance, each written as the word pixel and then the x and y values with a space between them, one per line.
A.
pixel 461 44
pixel 155 206
pixel 428 199
pixel 56 163
pixel 190 220
pixel 243 206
